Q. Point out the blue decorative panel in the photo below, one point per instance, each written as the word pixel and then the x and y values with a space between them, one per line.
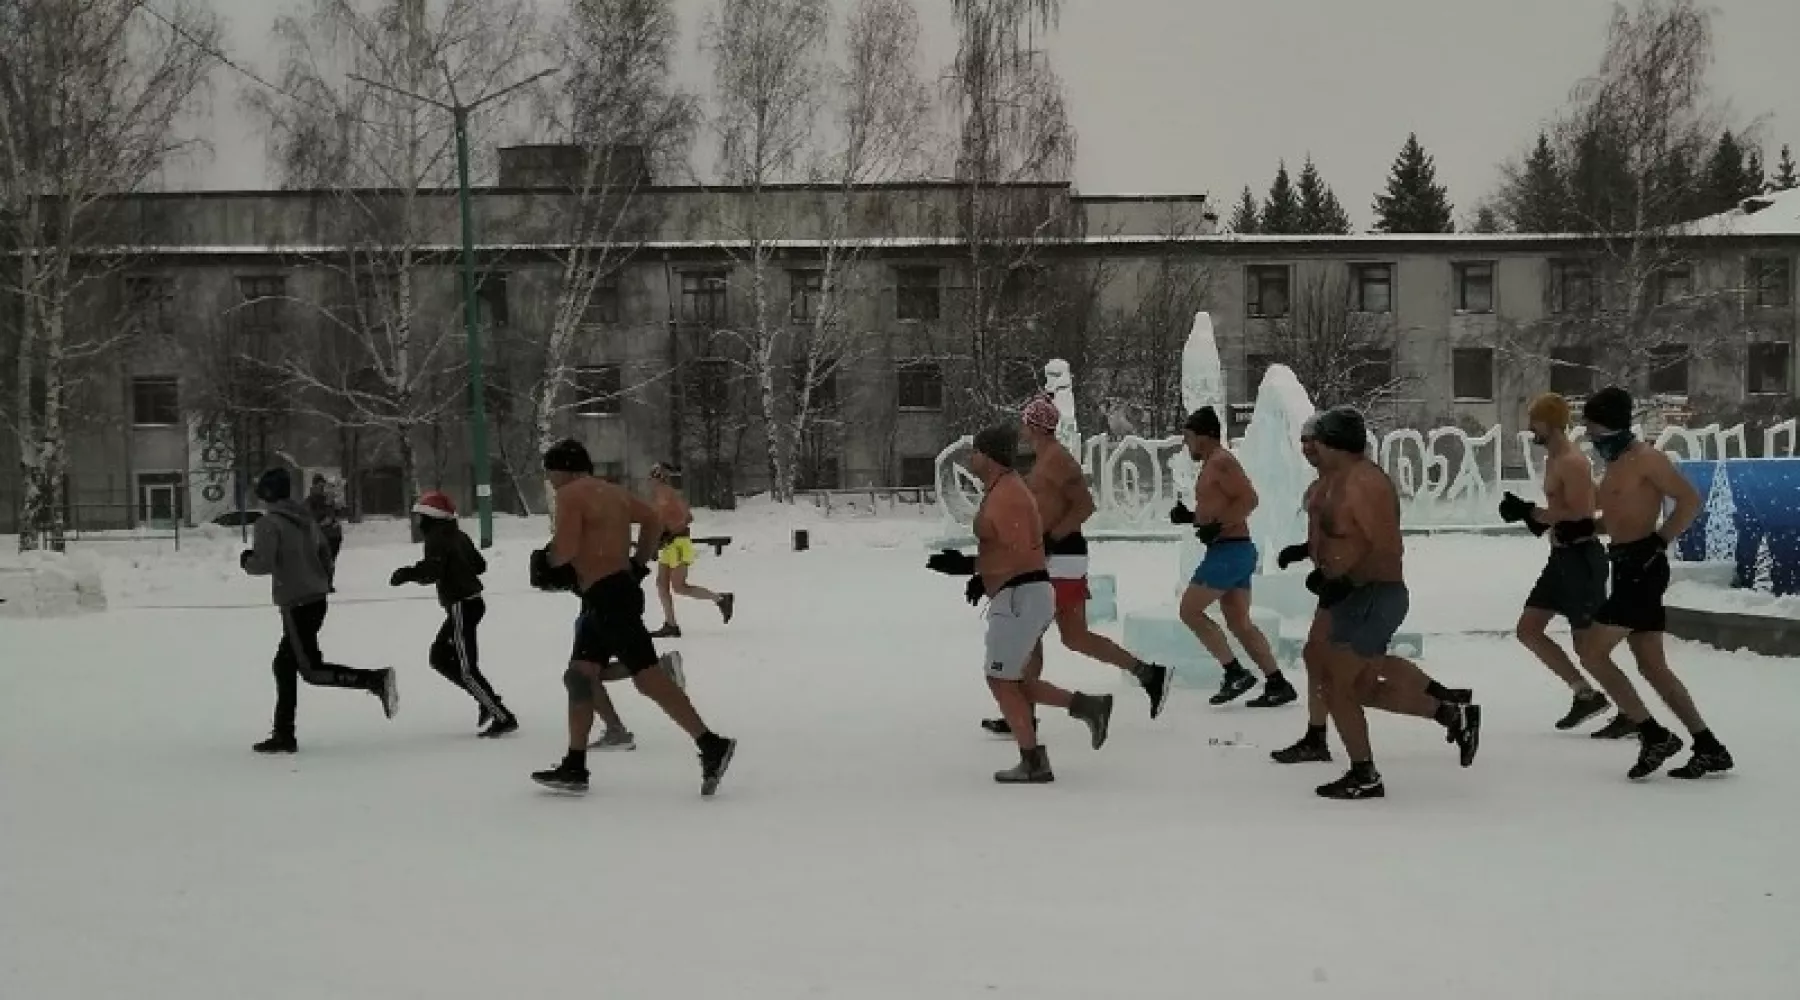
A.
pixel 1750 515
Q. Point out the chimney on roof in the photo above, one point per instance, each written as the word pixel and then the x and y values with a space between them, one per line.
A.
pixel 566 166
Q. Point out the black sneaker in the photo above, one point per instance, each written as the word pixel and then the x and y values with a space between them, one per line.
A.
pixel 1654 750
pixel 1354 785
pixel 667 632
pixel 1307 750
pixel 1464 731
pixel 1277 691
pixel 482 718
pixel 1585 706
pixel 1000 727
pixel 1233 686
pixel 1096 711
pixel 567 777
pixel 727 604
pixel 1703 763
pixel 1618 729
pixel 277 743
pixel 715 757
pixel 506 725
pixel 1155 679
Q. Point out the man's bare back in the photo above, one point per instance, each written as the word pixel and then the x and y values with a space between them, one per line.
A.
pixel 1361 522
pixel 671 509
pixel 1224 494
pixel 1632 492
pixel 1054 483
pixel 593 529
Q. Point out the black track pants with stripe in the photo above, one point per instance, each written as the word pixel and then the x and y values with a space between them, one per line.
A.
pixel 298 658
pixel 456 654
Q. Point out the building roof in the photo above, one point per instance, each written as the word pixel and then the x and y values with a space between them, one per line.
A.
pixel 1774 214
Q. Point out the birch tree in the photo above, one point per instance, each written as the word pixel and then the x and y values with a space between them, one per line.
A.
pixel 344 124
pixel 93 96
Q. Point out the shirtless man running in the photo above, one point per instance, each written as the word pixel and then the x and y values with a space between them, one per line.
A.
pixel 1360 556
pixel 676 555
pixel 1010 570
pixel 1638 480
pixel 1223 502
pixel 593 535
pixel 1573 583
pixel 1064 504
pixel 1313 747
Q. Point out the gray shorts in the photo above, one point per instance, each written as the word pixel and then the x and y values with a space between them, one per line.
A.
pixel 1367 618
pixel 1017 619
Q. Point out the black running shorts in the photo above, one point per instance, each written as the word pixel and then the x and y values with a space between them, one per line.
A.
pixel 1640 578
pixel 1367 618
pixel 1573 583
pixel 611 625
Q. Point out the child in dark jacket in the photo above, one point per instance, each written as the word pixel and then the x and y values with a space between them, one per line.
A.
pixel 454 564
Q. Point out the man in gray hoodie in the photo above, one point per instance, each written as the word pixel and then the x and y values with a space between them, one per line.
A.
pixel 292 552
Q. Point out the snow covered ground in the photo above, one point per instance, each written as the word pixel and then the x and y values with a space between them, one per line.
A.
pixel 859 848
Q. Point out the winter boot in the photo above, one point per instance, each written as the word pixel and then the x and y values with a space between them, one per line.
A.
pixel 1096 711
pixel 614 739
pixel 1236 682
pixel 1362 781
pixel 667 632
pixel 1155 679
pixel 1618 729
pixel 1312 748
pixel 727 604
pixel 277 743
pixel 1585 706
pixel 1655 746
pixel 1033 768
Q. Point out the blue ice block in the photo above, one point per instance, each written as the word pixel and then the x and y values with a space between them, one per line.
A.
pixel 1103 600
pixel 1160 637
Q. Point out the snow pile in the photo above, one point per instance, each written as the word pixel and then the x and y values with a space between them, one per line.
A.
pixel 51 585
pixel 1774 214
pixel 1732 600
pixel 1270 453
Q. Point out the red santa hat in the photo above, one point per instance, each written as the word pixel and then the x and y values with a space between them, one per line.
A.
pixel 436 505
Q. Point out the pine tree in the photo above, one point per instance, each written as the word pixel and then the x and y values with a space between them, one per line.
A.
pixel 1599 185
pixel 1487 220
pixel 1246 219
pixel 1724 182
pixel 1755 180
pixel 1281 209
pixel 1787 177
pixel 1537 199
pixel 1762 576
pixel 1721 518
pixel 1320 212
pixel 1414 201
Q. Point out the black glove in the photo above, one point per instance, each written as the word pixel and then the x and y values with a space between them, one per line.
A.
pixel 547 577
pixel 244 559
pixel 639 570
pixel 1293 554
pixel 401 576
pixel 951 563
pixel 1514 508
pixel 975 591
pixel 1179 514
pixel 1333 589
pixel 1208 532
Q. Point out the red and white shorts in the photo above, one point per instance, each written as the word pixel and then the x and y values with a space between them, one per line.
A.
pixel 1068 578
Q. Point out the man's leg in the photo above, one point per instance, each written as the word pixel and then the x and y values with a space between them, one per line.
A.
pixel 679 583
pixel 309 662
pixel 1314 746
pixel 638 654
pixel 1347 674
pixel 287 693
pixel 1656 744
pixel 1194 602
pixel 666 596
pixel 1530 631
pixel 467 616
pixel 1277 690
pixel 443 652
pixel 1079 638
pixel 1710 756
pixel 1401 688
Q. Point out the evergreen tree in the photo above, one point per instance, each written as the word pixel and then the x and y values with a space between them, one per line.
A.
pixel 1487 220
pixel 1537 198
pixel 1680 196
pixel 1414 201
pixel 1246 219
pixel 1320 212
pixel 1600 185
pixel 1281 209
pixel 1787 177
pixel 1724 175
pixel 1755 180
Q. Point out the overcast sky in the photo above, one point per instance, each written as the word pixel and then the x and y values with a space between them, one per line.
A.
pixel 1205 95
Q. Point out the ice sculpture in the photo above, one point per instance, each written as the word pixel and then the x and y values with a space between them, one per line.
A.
pixel 1202 375
pixel 1270 453
pixel 1059 384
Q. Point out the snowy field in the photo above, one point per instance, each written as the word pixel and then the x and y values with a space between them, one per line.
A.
pixel 859 847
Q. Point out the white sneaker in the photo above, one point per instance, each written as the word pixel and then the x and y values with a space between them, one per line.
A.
pixel 672 663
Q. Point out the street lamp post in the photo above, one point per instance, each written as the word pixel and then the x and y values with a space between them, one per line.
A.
pixel 459 113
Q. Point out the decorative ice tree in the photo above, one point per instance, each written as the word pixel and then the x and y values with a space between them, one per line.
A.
pixel 1763 576
pixel 1721 519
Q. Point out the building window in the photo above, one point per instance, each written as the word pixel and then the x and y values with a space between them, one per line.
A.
pixel 805 290
pixel 1572 371
pixel 491 303
pixel 598 391
pixel 1767 371
pixel 1475 287
pixel 1668 370
pixel 159 498
pixel 1266 291
pixel 1771 282
pixel 149 302
pixel 1374 288
pixel 1472 374
pixel 263 301
pixel 156 401
pixel 1571 287
pixel 916 294
pixel 603 302
pixel 918 471
pixel 1674 284
pixel 1255 367
pixel 921 385
pixel 1371 372
pixel 703 298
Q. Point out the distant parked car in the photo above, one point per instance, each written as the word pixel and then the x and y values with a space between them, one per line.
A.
pixel 234 518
